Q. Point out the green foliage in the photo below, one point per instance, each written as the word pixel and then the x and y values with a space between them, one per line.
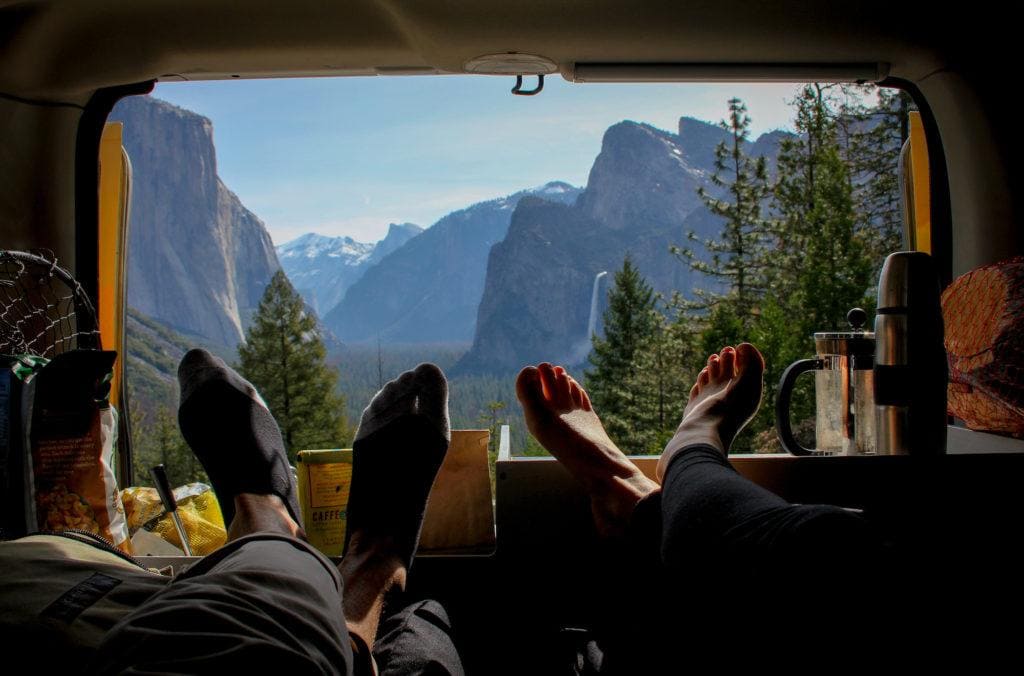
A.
pixel 158 441
pixel 284 358
pixel 630 324
pixel 782 341
pixel 658 382
pixel 823 266
pixel 153 353
pixel 492 419
pixel 738 256
pixel 799 252
pixel 873 125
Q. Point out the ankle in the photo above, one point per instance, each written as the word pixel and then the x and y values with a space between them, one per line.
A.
pixel 690 433
pixel 370 550
pixel 698 430
pixel 257 513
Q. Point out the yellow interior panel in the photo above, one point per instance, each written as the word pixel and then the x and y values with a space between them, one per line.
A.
pixel 115 181
pixel 921 184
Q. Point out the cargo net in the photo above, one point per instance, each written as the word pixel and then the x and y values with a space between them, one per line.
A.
pixel 43 310
pixel 984 316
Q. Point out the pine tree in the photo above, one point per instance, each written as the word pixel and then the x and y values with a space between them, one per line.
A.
pixel 822 266
pixel 821 262
pixel 629 323
pixel 284 358
pixel 659 379
pixel 158 441
pixel 738 254
pixel 876 122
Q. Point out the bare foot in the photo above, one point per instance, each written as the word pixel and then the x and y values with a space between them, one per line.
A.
pixel 559 416
pixel 725 397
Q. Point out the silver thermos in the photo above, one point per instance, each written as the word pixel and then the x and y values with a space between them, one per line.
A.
pixel 910 370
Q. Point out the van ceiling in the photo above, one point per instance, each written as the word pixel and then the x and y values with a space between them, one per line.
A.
pixel 64 49
pixel 61 51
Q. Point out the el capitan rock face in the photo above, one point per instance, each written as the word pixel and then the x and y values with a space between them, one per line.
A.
pixel 198 260
pixel 640 199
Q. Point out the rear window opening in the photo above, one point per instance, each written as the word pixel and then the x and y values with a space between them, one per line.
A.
pixel 625 231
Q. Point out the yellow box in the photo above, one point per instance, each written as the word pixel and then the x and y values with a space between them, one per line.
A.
pixel 324 481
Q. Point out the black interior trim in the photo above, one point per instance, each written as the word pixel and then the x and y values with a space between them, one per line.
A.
pixel 941 211
pixel 799 72
pixel 87 177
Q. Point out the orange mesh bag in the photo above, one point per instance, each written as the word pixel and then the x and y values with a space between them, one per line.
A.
pixel 984 316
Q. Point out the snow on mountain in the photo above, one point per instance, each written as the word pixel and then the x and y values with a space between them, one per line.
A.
pixel 313 246
pixel 322 268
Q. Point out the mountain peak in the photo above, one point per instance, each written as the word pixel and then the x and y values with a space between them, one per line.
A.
pixel 552 188
pixel 629 132
pixel 698 140
pixel 406 230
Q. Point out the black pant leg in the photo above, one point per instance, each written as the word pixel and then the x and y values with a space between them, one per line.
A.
pixel 417 640
pixel 740 556
pixel 264 603
pixel 711 511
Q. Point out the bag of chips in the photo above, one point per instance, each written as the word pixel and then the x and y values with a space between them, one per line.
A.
pixel 72 437
pixel 197 508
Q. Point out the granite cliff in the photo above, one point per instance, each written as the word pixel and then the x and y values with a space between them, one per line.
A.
pixel 641 197
pixel 198 260
pixel 429 289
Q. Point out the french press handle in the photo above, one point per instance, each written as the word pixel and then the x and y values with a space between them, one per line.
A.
pixel 782 414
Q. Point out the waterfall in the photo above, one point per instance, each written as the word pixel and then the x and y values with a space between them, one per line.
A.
pixel 592 324
pixel 583 347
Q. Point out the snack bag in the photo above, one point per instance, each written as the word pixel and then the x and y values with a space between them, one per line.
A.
pixel 197 507
pixel 72 438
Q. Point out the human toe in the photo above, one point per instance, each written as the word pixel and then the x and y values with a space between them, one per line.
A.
pixel 727 362
pixel 528 384
pixel 748 357
pixel 563 388
pixel 547 380
pixel 714 367
pixel 576 392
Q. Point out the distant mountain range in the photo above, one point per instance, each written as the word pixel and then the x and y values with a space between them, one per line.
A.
pixel 429 289
pixel 323 268
pixel 514 276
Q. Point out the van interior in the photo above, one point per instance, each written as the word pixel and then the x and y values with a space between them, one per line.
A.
pixel 64 64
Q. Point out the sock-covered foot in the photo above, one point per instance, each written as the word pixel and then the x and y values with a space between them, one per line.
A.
pixel 231 431
pixel 559 415
pixel 400 444
pixel 724 399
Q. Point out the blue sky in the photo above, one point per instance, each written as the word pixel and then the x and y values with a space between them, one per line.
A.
pixel 348 156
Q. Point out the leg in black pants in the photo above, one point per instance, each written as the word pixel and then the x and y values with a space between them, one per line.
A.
pixel 713 545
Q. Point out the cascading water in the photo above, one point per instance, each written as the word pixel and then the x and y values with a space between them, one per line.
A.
pixel 592 324
pixel 583 347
